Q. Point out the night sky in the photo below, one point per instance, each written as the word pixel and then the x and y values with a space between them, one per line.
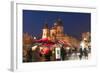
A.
pixel 74 23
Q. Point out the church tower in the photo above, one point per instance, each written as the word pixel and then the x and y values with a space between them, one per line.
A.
pixel 53 33
pixel 59 28
pixel 45 31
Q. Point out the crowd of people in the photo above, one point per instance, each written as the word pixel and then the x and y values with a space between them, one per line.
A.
pixel 57 52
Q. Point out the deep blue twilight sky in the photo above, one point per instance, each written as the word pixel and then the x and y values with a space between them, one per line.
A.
pixel 74 23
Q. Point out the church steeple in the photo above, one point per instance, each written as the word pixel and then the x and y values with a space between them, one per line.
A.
pixel 45 26
pixel 59 27
pixel 45 31
pixel 58 22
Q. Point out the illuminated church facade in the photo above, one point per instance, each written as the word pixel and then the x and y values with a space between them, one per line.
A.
pixel 56 32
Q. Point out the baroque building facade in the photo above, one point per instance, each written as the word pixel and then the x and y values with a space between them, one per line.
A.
pixel 56 32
